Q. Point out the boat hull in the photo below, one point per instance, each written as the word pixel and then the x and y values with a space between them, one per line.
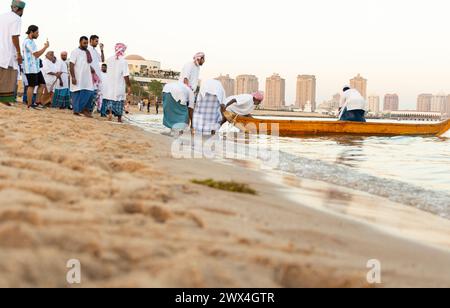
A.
pixel 291 128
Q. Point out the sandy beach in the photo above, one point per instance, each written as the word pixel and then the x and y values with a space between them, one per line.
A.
pixel 113 197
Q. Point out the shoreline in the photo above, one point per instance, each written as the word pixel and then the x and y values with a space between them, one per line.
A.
pixel 113 197
pixel 430 200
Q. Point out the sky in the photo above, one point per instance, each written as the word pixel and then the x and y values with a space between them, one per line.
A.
pixel 399 46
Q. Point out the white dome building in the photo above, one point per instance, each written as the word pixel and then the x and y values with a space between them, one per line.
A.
pixel 145 71
pixel 139 66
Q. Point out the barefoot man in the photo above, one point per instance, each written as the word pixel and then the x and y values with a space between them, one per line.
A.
pixel 61 99
pixel 191 71
pixel 81 76
pixel 117 80
pixel 10 55
pixel 97 59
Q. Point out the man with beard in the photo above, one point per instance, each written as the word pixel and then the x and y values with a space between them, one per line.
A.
pixel 32 65
pixel 52 75
pixel 191 71
pixel 82 85
pixel 97 59
pixel 61 97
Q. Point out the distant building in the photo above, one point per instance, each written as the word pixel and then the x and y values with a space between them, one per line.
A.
pixel 374 104
pixel 438 103
pixel 424 102
pixel 336 100
pixel 360 84
pixel 391 102
pixel 228 84
pixel 326 105
pixel 308 107
pixel 246 84
pixel 275 96
pixel 306 92
pixel 145 71
pixel 140 66
pixel 331 106
pixel 447 107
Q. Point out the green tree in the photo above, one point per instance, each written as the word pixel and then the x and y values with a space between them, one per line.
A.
pixel 155 87
pixel 137 89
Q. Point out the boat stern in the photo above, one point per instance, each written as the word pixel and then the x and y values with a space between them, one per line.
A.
pixel 445 128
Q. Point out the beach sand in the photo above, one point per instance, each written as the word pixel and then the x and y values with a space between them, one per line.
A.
pixel 113 197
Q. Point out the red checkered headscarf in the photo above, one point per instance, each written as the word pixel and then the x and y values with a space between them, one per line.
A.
pixel 120 50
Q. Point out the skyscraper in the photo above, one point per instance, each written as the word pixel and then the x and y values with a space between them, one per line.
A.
pixel 360 84
pixel 306 92
pixel 424 102
pixel 374 104
pixel 447 107
pixel 391 102
pixel 246 84
pixel 275 96
pixel 228 84
pixel 438 103
pixel 336 101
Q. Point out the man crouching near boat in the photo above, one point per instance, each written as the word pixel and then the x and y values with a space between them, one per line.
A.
pixel 241 105
pixel 244 104
pixel 353 106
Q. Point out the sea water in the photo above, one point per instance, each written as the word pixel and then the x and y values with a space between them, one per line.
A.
pixel 410 170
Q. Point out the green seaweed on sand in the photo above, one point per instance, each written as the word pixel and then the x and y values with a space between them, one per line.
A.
pixel 230 186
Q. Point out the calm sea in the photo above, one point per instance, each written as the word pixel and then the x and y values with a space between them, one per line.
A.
pixel 410 170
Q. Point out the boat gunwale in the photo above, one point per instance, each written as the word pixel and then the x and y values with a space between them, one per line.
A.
pixel 435 129
pixel 269 121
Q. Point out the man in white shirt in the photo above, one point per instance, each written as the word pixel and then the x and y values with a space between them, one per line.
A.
pixel 97 59
pixel 51 73
pixel 101 106
pixel 178 105
pixel 209 108
pixel 65 60
pixel 191 71
pixel 10 53
pixel 244 104
pixel 104 72
pixel 118 83
pixel 61 97
pixel 82 85
pixel 353 106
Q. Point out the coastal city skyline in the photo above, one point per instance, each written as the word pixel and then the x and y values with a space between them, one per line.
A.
pixel 287 45
pixel 144 71
pixel 306 99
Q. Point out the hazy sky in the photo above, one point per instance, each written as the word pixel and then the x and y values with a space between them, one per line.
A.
pixel 400 46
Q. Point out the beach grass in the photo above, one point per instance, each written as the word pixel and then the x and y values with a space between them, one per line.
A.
pixel 229 186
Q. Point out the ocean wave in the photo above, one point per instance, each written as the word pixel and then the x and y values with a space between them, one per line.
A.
pixel 435 202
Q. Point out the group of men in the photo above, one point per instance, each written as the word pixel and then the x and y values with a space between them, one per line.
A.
pixel 82 83
pixel 202 108
pixel 86 81
pixel 186 104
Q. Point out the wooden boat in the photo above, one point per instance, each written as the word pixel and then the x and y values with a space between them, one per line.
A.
pixel 292 128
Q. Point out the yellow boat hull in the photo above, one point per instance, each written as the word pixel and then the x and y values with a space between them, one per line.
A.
pixel 291 128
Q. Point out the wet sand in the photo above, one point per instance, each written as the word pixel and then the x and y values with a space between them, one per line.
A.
pixel 113 197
